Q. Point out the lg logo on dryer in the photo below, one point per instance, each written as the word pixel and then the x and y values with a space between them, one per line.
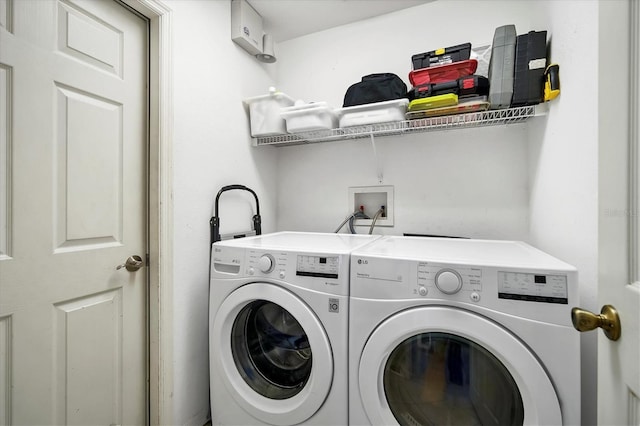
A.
pixel 363 262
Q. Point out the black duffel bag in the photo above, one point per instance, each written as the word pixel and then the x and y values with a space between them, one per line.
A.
pixel 375 88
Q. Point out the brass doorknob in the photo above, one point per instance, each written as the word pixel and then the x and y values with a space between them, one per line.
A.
pixel 132 264
pixel 608 321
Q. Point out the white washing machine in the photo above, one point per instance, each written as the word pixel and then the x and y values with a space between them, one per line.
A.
pixel 464 332
pixel 278 327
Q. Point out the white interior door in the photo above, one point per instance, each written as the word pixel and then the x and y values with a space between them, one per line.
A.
pixel 73 206
pixel 619 222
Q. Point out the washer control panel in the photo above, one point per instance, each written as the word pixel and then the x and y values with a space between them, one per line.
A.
pixel 328 272
pixel 260 263
pixel 448 281
pixel 318 266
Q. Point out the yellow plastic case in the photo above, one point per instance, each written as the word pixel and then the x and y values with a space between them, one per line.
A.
pixel 461 108
pixel 430 102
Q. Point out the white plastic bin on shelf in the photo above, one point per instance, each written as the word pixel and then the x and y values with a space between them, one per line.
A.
pixel 264 113
pixel 309 117
pixel 379 112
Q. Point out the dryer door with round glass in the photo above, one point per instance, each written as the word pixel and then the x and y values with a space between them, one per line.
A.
pixel 437 365
pixel 275 356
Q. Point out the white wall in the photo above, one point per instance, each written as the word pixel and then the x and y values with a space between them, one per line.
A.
pixel 564 167
pixel 211 149
pixel 535 182
pixel 467 182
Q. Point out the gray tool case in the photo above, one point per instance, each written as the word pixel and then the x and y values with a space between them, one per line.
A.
pixel 501 67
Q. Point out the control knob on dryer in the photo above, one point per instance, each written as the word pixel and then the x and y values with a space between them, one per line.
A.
pixel 266 263
pixel 448 281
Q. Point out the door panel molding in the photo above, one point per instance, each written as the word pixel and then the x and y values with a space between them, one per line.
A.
pixel 634 144
pixel 6 352
pixel 633 411
pixel 90 40
pixel 6 138
pixel 6 15
pixel 86 332
pixel 98 220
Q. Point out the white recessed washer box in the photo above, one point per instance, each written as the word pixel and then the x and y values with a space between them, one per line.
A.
pixel 372 198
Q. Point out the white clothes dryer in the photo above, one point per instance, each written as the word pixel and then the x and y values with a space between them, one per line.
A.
pixel 465 332
pixel 278 327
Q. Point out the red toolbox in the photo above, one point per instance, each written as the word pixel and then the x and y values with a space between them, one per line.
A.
pixel 470 85
pixel 443 73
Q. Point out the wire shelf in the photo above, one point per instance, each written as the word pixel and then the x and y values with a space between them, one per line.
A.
pixel 457 121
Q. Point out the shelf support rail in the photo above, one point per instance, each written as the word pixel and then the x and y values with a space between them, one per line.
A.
pixel 472 119
pixel 376 159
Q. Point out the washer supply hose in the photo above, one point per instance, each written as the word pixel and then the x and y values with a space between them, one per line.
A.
pixel 352 219
pixel 358 214
pixel 375 218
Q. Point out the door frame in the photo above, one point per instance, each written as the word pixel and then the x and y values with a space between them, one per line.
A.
pixel 634 146
pixel 160 210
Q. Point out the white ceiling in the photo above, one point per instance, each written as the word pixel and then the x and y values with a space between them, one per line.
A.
pixel 287 19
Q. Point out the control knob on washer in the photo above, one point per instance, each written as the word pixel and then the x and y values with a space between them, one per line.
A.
pixel 266 263
pixel 448 281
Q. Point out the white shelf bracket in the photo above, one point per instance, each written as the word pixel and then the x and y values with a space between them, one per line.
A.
pixel 377 159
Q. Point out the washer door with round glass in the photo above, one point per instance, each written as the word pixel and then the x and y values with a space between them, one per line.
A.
pixel 445 366
pixel 273 353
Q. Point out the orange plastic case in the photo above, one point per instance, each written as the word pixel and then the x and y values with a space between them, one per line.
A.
pixel 443 73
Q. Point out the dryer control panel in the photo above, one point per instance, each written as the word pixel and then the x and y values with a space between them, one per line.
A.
pixel 401 279
pixel 502 276
pixel 533 287
pixel 545 295
pixel 447 279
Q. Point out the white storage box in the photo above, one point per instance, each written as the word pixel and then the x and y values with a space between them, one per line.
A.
pixel 264 113
pixel 379 112
pixel 309 117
